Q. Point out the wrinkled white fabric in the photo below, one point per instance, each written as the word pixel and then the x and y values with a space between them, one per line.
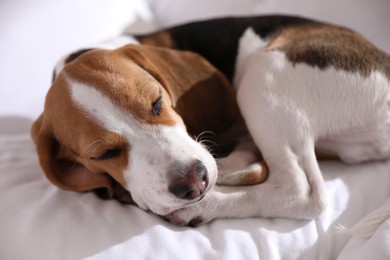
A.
pixel 39 221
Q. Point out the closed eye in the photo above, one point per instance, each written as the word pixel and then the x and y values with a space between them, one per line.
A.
pixel 109 154
pixel 156 106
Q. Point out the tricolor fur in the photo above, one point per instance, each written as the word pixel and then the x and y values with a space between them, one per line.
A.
pixel 302 86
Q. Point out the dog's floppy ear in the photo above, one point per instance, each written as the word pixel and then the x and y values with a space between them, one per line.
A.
pixel 66 59
pixel 61 167
pixel 200 93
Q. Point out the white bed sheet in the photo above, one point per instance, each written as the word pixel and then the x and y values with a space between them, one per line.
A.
pixel 39 221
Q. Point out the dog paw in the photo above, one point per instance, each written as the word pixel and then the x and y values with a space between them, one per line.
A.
pixel 253 174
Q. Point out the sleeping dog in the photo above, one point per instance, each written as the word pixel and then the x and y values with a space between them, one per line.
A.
pixel 123 119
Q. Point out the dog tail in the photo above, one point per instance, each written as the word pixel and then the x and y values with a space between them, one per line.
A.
pixel 366 227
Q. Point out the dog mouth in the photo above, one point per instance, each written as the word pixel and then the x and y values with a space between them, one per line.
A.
pixel 188 204
pixel 193 202
pixel 201 197
pixel 163 211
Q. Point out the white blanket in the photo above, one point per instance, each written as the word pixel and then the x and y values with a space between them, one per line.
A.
pixel 39 221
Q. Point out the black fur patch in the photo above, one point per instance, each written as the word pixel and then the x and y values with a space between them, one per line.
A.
pixel 217 39
pixel 74 55
pixel 70 58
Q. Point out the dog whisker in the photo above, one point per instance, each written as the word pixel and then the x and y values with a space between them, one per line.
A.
pixel 202 135
pixel 208 144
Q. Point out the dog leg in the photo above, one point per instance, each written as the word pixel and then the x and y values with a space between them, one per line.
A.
pixel 357 146
pixel 294 189
pixel 243 166
pixel 281 129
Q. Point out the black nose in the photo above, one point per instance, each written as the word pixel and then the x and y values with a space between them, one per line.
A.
pixel 192 184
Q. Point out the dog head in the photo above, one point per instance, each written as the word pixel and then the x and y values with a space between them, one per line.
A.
pixel 127 116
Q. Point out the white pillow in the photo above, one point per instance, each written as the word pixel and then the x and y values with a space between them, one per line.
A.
pixel 35 34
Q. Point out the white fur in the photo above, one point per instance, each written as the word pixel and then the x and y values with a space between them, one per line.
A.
pixel 249 43
pixel 288 110
pixel 157 152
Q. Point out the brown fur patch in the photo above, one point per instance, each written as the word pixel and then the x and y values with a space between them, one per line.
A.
pixel 66 139
pixel 324 45
pixel 161 39
pixel 254 178
pixel 213 107
pixel 129 86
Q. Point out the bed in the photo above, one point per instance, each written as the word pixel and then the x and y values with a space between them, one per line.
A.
pixel 39 221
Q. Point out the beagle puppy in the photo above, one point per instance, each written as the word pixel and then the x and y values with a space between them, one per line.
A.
pixel 304 88
pixel 131 123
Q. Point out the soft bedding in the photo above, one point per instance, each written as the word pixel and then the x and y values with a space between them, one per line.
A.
pixel 38 221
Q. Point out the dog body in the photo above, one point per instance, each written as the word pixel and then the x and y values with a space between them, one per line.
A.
pixel 301 85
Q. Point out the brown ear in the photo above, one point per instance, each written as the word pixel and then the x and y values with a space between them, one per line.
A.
pixel 200 93
pixel 59 167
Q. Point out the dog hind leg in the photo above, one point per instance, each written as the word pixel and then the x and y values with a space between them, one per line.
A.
pixel 360 145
